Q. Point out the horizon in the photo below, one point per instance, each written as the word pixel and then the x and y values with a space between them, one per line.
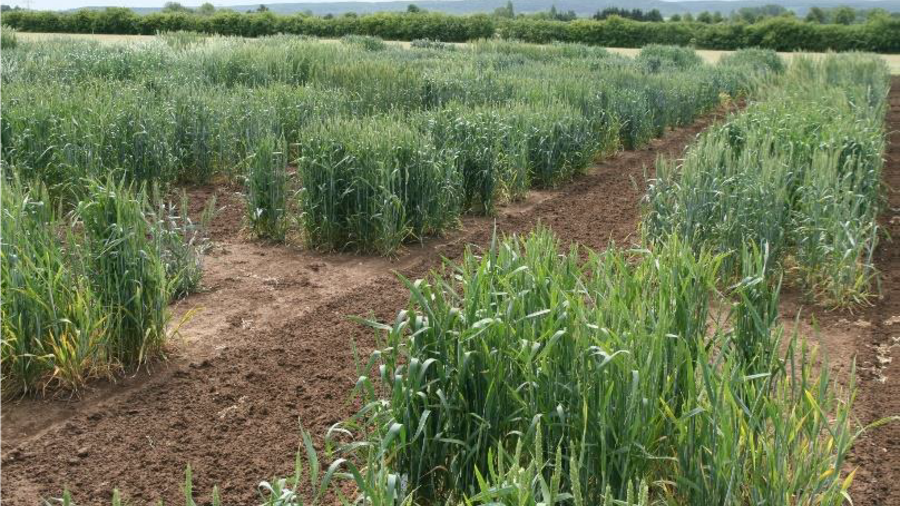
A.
pixel 63 5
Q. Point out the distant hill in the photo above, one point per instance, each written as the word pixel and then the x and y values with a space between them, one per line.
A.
pixel 581 7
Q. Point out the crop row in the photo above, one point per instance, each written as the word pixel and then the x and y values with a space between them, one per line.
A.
pixel 86 293
pixel 798 173
pixel 388 145
pixel 652 376
pixel 661 375
pixel 538 375
pixel 377 133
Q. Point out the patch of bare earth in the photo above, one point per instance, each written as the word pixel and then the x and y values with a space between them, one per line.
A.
pixel 876 341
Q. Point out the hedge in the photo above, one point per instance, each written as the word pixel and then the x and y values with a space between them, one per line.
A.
pixel 781 34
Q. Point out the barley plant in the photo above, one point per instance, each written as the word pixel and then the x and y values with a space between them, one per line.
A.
pixel 8 39
pixel 762 59
pixel 54 332
pixel 86 292
pixel 181 39
pixel 659 58
pixel 365 42
pixel 530 375
pixel 190 109
pixel 266 189
pixel 798 173
pixel 182 242
pixel 373 184
pixel 127 272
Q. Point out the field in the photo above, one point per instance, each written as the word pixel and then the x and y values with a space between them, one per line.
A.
pixel 491 273
pixel 708 55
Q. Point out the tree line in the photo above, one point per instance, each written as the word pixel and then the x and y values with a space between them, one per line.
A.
pixel 821 30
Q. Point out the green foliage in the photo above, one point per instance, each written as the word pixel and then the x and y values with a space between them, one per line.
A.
pixel 486 148
pixel 502 117
pixel 778 33
pixel 657 58
pixel 181 39
pixel 53 329
pixel 373 184
pixel 759 59
pixel 8 39
pixel 782 33
pixel 797 174
pixel 126 270
pixel 182 243
pixel 266 189
pixel 366 42
pixel 85 297
pixel 431 44
pixel 601 374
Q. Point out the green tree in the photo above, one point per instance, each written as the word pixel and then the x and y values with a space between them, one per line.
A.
pixel 175 7
pixel 675 17
pixel 413 8
pixel 817 15
pixel 505 12
pixel 844 15
pixel 876 14
pixel 705 17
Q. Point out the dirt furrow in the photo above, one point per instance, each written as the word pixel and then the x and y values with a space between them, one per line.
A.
pixel 877 345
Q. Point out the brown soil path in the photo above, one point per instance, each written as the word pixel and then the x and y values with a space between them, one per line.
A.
pixel 271 346
pixel 877 343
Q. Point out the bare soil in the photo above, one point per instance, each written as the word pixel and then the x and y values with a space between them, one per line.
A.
pixel 269 346
pixel 876 342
